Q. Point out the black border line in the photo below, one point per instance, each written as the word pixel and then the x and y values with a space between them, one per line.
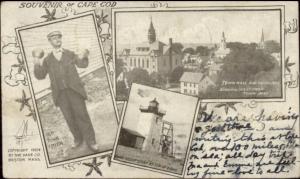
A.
pixel 124 102
pixel 79 15
pixel 166 172
pixel 282 97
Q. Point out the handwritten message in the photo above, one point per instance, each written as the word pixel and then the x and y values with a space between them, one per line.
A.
pixel 244 146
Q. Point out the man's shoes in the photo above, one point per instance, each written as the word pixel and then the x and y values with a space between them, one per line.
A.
pixel 94 147
pixel 76 144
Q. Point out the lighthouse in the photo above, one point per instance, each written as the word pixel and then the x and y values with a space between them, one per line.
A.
pixel 150 125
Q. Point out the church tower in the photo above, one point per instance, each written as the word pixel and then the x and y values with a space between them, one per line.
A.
pixel 261 44
pixel 223 41
pixel 222 51
pixel 151 33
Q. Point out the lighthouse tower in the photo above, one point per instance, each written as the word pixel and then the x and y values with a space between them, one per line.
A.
pixel 150 125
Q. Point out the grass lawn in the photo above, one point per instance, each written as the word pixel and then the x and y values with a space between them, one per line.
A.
pixel 148 159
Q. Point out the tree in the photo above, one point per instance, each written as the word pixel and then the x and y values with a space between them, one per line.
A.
pixel 204 51
pixel 244 62
pixel 176 74
pixel 119 66
pixel 122 91
pixel 177 47
pixel 271 46
pixel 157 80
pixel 189 50
pixel 235 46
pixel 139 75
pixel 253 45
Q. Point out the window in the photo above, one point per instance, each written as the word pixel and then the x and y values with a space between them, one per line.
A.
pixel 139 63
pixel 143 63
pixel 185 91
pixel 130 61
pixel 153 140
pixel 184 83
pixel 147 63
pixel 134 62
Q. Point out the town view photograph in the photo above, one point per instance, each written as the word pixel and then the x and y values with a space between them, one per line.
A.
pixel 209 54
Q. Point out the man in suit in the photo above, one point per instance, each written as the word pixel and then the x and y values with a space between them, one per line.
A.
pixel 67 89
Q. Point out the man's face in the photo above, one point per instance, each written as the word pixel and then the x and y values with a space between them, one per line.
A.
pixel 55 41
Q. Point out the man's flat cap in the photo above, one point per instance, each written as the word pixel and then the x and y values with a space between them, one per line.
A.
pixel 54 33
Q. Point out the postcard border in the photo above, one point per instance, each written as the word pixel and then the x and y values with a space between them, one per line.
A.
pixel 41 132
pixel 150 168
pixel 281 8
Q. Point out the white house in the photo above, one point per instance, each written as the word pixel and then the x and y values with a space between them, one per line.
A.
pixel 194 82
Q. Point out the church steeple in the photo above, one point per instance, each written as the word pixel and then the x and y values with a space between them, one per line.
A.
pixel 262 39
pixel 261 44
pixel 223 41
pixel 223 37
pixel 151 33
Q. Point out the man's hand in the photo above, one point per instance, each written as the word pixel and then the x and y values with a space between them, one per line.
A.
pixel 84 53
pixel 38 55
pixel 37 61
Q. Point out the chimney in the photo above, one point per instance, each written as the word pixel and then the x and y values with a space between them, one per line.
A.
pixel 170 54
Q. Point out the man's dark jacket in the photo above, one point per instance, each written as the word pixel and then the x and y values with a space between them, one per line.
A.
pixel 63 74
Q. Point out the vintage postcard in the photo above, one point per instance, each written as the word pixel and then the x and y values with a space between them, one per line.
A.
pixel 204 52
pixel 150 89
pixel 72 98
pixel 153 133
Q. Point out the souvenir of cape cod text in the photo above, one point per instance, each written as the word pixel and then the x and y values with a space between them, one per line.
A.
pixel 150 89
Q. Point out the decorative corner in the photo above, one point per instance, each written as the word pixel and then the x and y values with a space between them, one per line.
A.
pixel 227 106
pixel 291 26
pixel 94 165
pixel 104 26
pixel 49 16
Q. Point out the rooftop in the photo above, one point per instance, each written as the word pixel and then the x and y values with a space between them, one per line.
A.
pixel 132 132
pixel 149 109
pixel 157 47
pixel 192 77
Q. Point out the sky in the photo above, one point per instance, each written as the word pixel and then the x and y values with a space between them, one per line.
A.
pixel 180 109
pixel 198 26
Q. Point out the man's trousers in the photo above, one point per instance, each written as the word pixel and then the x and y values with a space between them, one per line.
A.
pixel 73 107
